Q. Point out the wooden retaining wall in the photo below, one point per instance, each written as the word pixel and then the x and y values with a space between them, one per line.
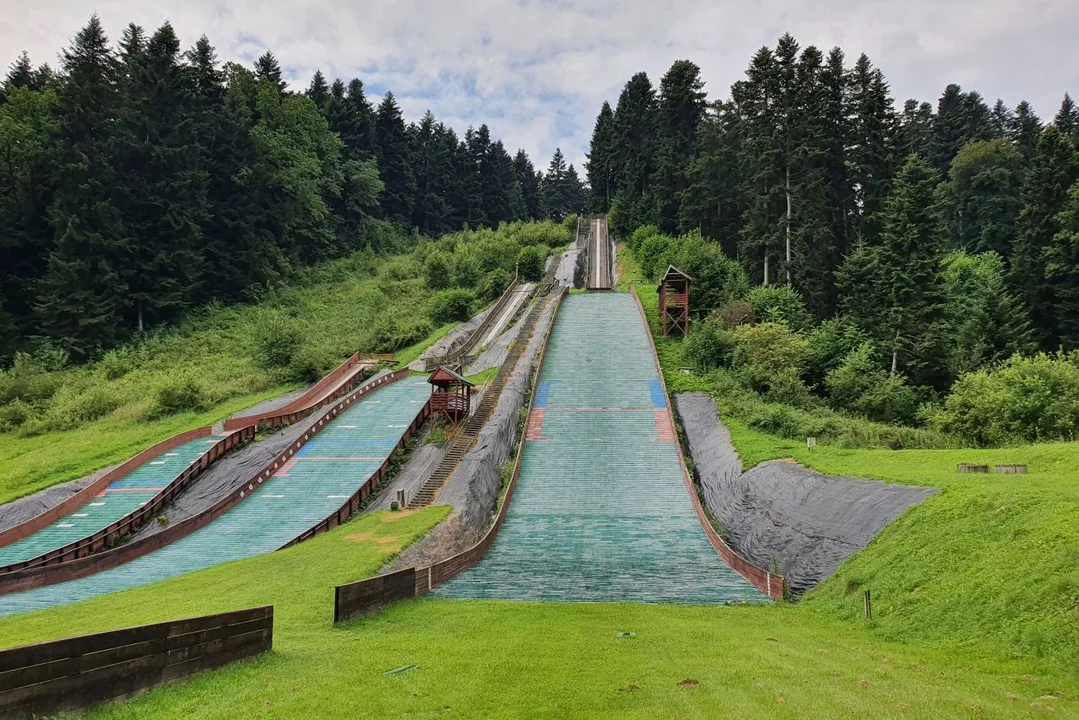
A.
pixel 79 672
pixel 74 569
pixel 774 586
pixel 368 596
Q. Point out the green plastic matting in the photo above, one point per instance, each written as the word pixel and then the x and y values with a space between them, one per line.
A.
pixel 601 511
pixel 123 496
pixel 307 489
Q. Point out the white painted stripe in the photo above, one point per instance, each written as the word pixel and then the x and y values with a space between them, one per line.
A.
pixel 158 462
pixel 171 454
pixel 65 525
pixel 272 496
pixel 81 515
pixel 96 504
pixel 349 427
pixel 337 497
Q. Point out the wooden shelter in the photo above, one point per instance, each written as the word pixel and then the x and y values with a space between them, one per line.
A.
pixel 674 301
pixel 451 393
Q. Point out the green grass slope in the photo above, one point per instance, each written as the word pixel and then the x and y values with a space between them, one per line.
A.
pixel 498 659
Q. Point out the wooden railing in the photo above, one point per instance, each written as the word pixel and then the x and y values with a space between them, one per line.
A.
pixel 774 586
pixel 73 569
pixel 454 357
pixel 77 673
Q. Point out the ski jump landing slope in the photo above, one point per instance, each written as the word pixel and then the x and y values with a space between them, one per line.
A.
pixel 307 489
pixel 601 511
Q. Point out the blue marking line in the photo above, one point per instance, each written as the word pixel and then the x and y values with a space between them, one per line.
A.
pixel 659 399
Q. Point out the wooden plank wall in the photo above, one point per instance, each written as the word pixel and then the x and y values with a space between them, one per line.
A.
pixel 367 596
pixel 77 673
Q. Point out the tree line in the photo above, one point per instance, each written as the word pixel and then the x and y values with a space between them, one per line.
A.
pixel 142 180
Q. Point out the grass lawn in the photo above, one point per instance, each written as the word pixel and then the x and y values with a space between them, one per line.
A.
pixel 501 659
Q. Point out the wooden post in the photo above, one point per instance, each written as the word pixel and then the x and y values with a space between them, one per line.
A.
pixel 868 606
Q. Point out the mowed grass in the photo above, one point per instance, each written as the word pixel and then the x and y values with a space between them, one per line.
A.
pixel 337 306
pixel 533 660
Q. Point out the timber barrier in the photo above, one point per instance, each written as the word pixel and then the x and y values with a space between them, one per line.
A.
pixel 77 673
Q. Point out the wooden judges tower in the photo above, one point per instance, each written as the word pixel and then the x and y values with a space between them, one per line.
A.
pixel 674 301
pixel 451 394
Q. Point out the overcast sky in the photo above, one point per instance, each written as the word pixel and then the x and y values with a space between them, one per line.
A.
pixel 537 71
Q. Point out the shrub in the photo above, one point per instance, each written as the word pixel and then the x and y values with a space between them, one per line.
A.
pixel 466 269
pixel 733 314
pixel 636 240
pixel 390 335
pixel 1025 399
pixel 530 263
pixel 451 305
pixel 717 279
pixel 651 255
pixel 179 393
pixel 861 386
pixel 276 339
pixel 494 284
pixel 307 365
pixel 436 270
pixel 28 379
pixel 14 414
pixel 787 387
pixel 773 347
pixel 779 303
pixel 709 347
pixel 829 344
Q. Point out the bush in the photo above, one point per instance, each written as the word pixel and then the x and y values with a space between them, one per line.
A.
pixel 14 414
pixel 829 344
pixel 530 263
pixel 494 284
pixel 709 347
pixel 276 340
pixel 733 314
pixel 717 279
pixel 779 303
pixel 861 386
pixel 391 335
pixel 772 347
pixel 466 269
pixel 436 270
pixel 1025 399
pixel 28 380
pixel 652 255
pixel 179 393
pixel 307 365
pixel 787 387
pixel 451 305
pixel 636 240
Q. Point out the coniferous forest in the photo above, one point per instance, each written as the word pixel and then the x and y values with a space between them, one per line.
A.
pixel 142 178
pixel 905 245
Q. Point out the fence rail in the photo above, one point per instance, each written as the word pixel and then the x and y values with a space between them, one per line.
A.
pixel 76 673
pixel 455 356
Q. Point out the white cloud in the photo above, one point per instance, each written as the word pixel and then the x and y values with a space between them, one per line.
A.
pixel 537 70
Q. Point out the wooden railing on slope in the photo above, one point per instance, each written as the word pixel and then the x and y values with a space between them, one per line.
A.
pixel 454 356
pixel 774 586
pixel 75 568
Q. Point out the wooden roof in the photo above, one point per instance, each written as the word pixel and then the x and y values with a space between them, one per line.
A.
pixel 674 273
pixel 444 376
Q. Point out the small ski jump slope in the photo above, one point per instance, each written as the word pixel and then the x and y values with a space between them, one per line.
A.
pixel 307 489
pixel 601 511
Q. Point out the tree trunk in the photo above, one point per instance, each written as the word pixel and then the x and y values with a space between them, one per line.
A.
pixel 788 224
pixel 766 267
pixel 895 355
pixel 139 306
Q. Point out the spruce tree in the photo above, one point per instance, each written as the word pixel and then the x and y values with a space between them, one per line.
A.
pixel 21 73
pixel 431 165
pixel 555 188
pixel 679 110
pixel 1025 129
pixel 905 273
pixel 394 162
pixel 82 296
pixel 599 164
pixel 916 129
pixel 634 149
pixel 267 68
pixel 1002 119
pixel 1062 271
pixel 1067 118
pixel 1053 170
pixel 318 90
pixel 872 153
pixel 529 181
pixel 711 202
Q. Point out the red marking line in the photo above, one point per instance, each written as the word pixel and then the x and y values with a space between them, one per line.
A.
pixel 534 428
pixel 131 490
pixel 331 459
pixel 600 409
pixel 664 427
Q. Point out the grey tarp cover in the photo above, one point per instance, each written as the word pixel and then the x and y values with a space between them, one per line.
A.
pixel 570 272
pixel 496 352
pixel 423 460
pixel 26 508
pixel 783 515
pixel 450 341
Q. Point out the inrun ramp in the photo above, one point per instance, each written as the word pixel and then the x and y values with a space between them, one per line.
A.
pixel 601 511
pixel 121 497
pixel 307 489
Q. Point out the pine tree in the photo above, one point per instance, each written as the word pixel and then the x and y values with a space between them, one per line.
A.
pixel 916 129
pixel 1025 129
pixel 394 162
pixel 961 117
pixel 711 202
pixel 477 147
pixel 82 296
pixel 499 183
pixel 600 157
pixel 431 165
pixel 980 202
pixel 1067 118
pixel 576 194
pixel 318 90
pixel 555 188
pixel 905 273
pixel 1053 170
pixel 1062 271
pixel 1002 119
pixel 529 181
pixel 21 73
pixel 680 109
pixel 267 68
